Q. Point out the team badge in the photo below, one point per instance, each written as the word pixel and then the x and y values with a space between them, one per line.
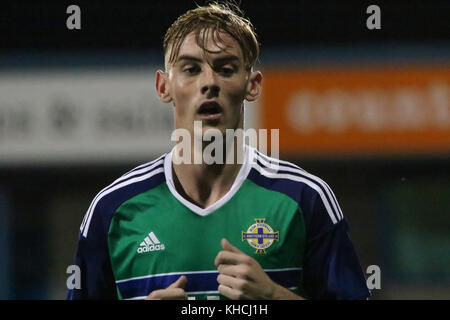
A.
pixel 260 236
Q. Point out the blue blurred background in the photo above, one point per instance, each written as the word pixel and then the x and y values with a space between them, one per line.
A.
pixel 78 109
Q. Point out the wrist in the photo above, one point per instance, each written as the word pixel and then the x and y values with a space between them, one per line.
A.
pixel 282 293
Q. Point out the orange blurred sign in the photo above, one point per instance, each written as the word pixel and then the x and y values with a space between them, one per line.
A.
pixel 359 110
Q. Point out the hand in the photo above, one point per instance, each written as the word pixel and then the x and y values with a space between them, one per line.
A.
pixel 241 276
pixel 173 292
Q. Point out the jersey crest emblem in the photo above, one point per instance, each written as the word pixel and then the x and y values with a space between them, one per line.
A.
pixel 260 236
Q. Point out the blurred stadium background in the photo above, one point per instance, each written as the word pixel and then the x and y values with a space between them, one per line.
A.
pixel 368 111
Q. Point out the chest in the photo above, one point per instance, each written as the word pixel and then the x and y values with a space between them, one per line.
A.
pixel 153 242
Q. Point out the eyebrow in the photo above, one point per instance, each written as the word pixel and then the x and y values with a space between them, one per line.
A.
pixel 227 58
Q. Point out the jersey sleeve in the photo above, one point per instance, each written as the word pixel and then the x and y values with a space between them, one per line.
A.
pixel 92 258
pixel 331 269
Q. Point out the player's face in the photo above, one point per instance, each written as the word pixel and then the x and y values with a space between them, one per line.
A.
pixel 209 86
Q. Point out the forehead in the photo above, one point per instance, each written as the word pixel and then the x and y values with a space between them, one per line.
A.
pixel 218 44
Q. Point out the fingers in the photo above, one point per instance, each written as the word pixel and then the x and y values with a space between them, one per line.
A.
pixel 226 245
pixel 232 282
pixel 231 293
pixel 231 287
pixel 239 271
pixel 173 292
pixel 231 255
pixel 168 294
pixel 240 275
pixel 180 283
pixel 228 257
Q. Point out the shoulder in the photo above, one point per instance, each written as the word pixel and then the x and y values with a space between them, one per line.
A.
pixel 311 192
pixel 132 183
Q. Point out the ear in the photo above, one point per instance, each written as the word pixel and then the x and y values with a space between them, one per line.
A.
pixel 162 86
pixel 254 86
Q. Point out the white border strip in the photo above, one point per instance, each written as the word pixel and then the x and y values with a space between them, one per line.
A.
pixel 313 185
pixel 121 185
pixel 131 173
pixel 337 210
pixel 194 272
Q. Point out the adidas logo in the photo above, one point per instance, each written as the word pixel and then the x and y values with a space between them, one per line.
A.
pixel 150 243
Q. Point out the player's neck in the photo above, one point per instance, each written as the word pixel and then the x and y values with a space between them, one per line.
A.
pixel 204 184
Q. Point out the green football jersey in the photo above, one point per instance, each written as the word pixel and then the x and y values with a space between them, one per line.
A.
pixel 141 235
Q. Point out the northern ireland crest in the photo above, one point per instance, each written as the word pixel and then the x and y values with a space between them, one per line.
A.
pixel 260 236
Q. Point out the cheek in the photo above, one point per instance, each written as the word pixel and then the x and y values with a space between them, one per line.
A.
pixel 182 94
pixel 236 92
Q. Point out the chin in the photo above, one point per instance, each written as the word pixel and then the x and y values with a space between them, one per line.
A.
pixel 219 127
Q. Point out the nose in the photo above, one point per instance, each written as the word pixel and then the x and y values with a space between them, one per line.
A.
pixel 209 85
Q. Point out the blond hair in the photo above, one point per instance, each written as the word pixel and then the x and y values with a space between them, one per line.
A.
pixel 209 19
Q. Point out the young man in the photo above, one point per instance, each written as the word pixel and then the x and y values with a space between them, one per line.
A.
pixel 177 229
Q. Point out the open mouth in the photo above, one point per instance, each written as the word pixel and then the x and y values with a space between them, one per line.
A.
pixel 210 110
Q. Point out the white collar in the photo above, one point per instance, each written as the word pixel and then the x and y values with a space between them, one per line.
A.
pixel 240 178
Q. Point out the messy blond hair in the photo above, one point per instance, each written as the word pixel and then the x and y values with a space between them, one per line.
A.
pixel 205 20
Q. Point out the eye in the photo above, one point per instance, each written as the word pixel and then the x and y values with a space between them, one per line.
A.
pixel 191 69
pixel 227 70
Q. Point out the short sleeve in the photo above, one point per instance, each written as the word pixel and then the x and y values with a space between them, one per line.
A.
pixel 331 269
pixel 92 258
